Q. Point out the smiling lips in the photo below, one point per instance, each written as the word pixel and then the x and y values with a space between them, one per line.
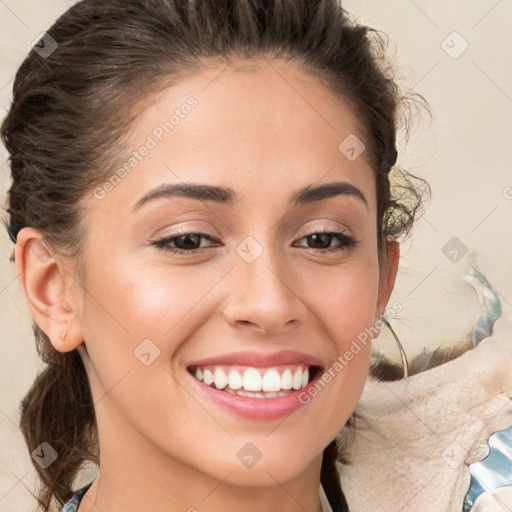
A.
pixel 238 381
pixel 254 382
pixel 256 374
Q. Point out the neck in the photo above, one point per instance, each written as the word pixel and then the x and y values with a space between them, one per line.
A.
pixel 115 493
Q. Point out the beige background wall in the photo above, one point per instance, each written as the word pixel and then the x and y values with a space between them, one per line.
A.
pixel 464 154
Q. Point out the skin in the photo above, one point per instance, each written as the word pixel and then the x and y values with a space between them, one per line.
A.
pixel 263 131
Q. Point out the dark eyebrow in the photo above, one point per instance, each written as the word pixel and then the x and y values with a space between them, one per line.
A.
pixel 311 194
pixel 228 196
pixel 194 191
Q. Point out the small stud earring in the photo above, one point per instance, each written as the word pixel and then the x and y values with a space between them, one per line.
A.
pixel 64 335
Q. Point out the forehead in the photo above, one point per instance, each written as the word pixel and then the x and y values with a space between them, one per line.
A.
pixel 260 98
pixel 262 126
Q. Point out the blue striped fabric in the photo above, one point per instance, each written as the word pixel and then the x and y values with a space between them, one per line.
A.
pixel 495 470
pixel 74 502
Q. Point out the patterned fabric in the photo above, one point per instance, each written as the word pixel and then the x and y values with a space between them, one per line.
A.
pixel 495 470
pixel 74 502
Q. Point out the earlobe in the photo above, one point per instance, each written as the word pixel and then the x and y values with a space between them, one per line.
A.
pixel 42 277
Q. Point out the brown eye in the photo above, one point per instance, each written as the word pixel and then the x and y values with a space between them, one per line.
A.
pixel 322 241
pixel 184 243
pixel 188 242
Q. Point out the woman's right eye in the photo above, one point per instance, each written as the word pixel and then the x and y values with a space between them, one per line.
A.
pixel 183 243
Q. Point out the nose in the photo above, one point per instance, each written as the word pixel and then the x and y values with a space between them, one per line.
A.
pixel 262 296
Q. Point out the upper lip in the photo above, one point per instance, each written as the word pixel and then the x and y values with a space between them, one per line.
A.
pixel 259 359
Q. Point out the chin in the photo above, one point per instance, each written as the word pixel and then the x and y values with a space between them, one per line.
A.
pixel 257 465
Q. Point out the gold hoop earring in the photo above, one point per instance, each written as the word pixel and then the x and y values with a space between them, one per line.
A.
pixel 64 336
pixel 405 363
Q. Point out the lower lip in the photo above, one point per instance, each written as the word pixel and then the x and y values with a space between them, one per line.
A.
pixel 257 408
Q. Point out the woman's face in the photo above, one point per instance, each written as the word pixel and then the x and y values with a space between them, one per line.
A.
pixel 260 288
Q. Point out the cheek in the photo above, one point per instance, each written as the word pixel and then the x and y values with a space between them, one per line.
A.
pixel 347 308
pixel 147 301
pixel 345 299
pixel 128 314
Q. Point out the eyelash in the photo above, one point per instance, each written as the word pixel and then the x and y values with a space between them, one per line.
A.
pixel 346 242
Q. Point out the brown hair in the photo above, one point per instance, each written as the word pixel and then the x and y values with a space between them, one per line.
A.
pixel 67 125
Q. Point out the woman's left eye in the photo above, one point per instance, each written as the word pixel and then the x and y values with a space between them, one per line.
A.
pixel 187 243
pixel 322 240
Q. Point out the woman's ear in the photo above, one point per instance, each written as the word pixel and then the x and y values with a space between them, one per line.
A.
pixel 46 284
pixel 388 270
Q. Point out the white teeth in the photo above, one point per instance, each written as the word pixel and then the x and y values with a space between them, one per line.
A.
pixel 220 379
pixel 252 383
pixel 297 379
pixel 251 394
pixel 207 377
pixel 271 381
pixel 286 380
pixel 252 380
pixel 305 378
pixel 235 380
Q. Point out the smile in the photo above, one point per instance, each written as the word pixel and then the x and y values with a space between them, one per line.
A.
pixel 270 382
